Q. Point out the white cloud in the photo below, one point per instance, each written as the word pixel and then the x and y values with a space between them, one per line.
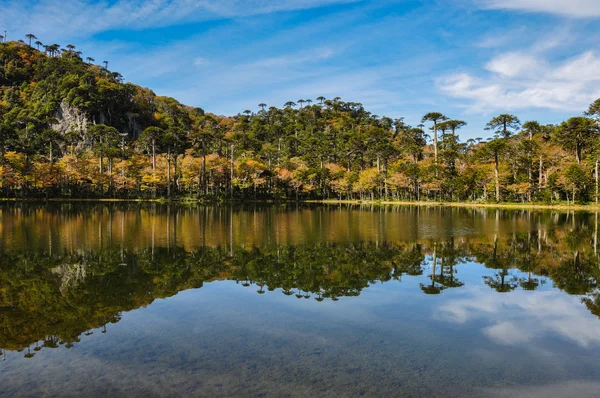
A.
pixel 570 8
pixel 513 64
pixel 519 81
pixel 582 68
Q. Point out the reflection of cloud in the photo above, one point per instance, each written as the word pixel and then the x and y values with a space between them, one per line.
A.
pixel 507 333
pixel 580 389
pixel 519 317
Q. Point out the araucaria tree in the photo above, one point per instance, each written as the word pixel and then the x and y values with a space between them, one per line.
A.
pixel 434 117
pixel 129 142
pixel 503 126
pixel 577 134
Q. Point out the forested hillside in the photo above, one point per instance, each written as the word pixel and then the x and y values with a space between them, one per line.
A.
pixel 72 128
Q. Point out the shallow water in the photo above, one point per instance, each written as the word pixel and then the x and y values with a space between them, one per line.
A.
pixel 157 300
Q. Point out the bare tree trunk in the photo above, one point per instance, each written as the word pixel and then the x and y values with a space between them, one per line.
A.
pixel 435 144
pixel 204 182
pixel 596 176
pixel 596 235
pixel 497 178
pixel 153 156
pixel 176 185
pixel 169 173
pixel 231 180
pixel 110 176
pixel 541 176
pixel 154 168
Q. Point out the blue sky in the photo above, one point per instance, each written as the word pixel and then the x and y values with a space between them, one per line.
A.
pixel 470 59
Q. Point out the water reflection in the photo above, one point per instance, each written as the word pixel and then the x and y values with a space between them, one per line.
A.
pixel 68 271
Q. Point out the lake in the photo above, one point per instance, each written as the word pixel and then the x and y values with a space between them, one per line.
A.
pixel 129 299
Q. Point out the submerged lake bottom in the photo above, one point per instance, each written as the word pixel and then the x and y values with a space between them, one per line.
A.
pixel 146 300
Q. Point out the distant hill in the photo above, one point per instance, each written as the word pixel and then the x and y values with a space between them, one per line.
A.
pixel 59 90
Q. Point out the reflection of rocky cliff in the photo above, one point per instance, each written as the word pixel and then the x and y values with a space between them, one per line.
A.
pixel 48 300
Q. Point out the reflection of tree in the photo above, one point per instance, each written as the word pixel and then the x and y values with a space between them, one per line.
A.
pixel 52 299
pixel 29 353
pixel 451 255
pixel 577 274
pixel 432 288
pixel 529 283
pixel 525 259
pixel 408 262
pixel 38 307
pixel 502 281
pixel 592 302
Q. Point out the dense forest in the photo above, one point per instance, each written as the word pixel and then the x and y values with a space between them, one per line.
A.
pixel 74 129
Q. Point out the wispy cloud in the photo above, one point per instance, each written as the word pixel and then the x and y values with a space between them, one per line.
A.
pixel 501 38
pixel 85 17
pixel 514 64
pixel 325 56
pixel 569 8
pixel 311 56
pixel 520 81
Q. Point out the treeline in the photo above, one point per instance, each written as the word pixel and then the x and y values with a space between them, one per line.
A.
pixel 49 299
pixel 70 128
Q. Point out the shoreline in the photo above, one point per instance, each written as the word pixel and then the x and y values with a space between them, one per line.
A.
pixel 522 206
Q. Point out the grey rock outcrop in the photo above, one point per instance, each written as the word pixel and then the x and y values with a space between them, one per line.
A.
pixel 69 118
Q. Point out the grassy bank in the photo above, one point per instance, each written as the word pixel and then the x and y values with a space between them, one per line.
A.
pixel 186 200
pixel 527 206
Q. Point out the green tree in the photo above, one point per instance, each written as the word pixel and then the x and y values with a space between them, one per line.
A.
pixel 50 139
pixel 576 134
pixel 434 117
pixel 578 179
pixel 150 139
pixel 503 126
pixel 202 138
pixel 30 37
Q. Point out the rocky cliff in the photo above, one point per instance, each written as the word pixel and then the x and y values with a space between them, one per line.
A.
pixel 69 118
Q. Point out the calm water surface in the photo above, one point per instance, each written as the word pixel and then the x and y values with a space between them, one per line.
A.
pixel 156 300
